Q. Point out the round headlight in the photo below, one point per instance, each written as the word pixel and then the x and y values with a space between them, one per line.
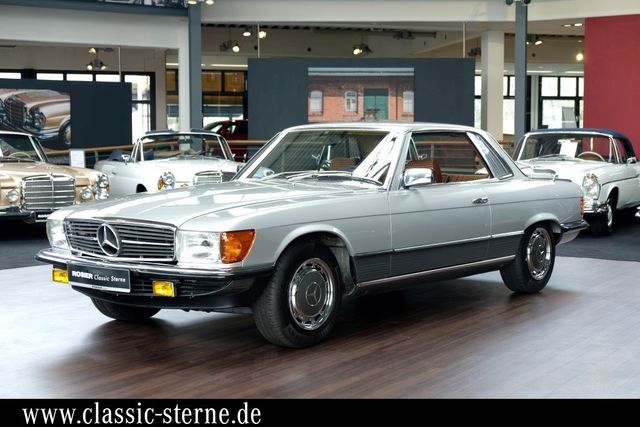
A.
pixel 102 194
pixel 13 196
pixel 86 194
pixel 102 181
pixel 167 180
pixel 591 186
pixel 39 119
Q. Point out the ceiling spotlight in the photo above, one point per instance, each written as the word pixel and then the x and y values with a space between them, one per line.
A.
pixel 538 41
pixel 230 44
pixel 194 2
pixel 247 32
pixel 92 50
pixel 96 65
pixel 361 48
pixel 578 24
pixel 262 34
pixel 235 47
pixel 579 56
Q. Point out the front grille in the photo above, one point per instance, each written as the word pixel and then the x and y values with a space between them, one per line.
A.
pixel 137 240
pixel 48 192
pixel 15 112
pixel 209 177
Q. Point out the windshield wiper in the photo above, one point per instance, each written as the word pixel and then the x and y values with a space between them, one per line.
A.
pixel 333 174
pixel 546 156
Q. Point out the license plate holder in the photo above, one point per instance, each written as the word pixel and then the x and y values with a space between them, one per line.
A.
pixel 104 279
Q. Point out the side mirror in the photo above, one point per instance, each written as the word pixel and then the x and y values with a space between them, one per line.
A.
pixel 632 160
pixel 126 158
pixel 418 176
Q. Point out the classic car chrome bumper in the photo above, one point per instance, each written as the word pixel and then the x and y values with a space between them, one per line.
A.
pixel 207 289
pixel 16 212
pixel 571 230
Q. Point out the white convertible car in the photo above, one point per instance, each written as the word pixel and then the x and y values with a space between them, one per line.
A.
pixel 602 161
pixel 165 159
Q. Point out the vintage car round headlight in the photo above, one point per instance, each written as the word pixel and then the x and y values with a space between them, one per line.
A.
pixel 591 186
pixel 102 181
pixel 86 193
pixel 102 194
pixel 167 180
pixel 13 196
pixel 39 119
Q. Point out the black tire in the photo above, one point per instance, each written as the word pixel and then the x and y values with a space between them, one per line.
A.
pixel 301 312
pixel 531 269
pixel 602 225
pixel 141 189
pixel 127 313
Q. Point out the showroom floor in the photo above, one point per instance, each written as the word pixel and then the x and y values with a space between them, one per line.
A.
pixel 463 338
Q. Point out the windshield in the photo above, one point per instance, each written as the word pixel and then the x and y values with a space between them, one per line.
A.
pixel 569 146
pixel 20 148
pixel 158 147
pixel 330 153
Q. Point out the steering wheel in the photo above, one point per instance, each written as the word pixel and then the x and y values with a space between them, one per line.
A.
pixel 591 155
pixel 19 154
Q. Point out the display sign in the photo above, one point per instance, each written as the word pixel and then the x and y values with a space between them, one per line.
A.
pixel 106 279
pixel 360 94
pixel 43 113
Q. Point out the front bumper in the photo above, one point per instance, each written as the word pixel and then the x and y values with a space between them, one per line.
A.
pixel 570 230
pixel 195 289
pixel 16 212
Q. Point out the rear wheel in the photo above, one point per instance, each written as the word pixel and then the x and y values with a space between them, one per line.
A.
pixel 298 306
pixel 531 269
pixel 127 313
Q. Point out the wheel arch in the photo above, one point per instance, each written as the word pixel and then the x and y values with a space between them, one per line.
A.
pixel 548 219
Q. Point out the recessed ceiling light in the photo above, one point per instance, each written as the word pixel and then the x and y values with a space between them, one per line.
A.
pixel 579 56
pixel 567 25
pixel 578 24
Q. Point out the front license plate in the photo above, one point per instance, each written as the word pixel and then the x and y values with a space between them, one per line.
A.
pixel 105 279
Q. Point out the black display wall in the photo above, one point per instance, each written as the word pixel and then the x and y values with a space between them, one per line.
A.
pixel 100 112
pixel 278 90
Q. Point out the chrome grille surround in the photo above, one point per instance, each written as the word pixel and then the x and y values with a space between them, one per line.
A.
pixel 46 193
pixel 208 177
pixel 15 111
pixel 140 241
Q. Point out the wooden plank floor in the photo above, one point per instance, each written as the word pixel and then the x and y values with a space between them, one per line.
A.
pixel 580 337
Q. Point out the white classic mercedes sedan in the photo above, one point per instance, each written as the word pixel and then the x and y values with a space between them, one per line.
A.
pixel 321 212
pixel 602 161
pixel 163 160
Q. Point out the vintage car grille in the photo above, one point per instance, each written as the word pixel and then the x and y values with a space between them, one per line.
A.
pixel 48 192
pixel 15 112
pixel 209 177
pixel 137 240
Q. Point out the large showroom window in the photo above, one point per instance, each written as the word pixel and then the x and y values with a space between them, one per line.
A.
pixel 142 94
pixel 561 102
pixel 223 96
pixel 508 103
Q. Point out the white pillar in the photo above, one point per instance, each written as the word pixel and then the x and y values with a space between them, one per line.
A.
pixel 184 109
pixel 492 64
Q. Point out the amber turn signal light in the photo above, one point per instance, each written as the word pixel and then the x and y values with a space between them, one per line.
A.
pixel 581 206
pixel 60 276
pixel 235 245
pixel 163 289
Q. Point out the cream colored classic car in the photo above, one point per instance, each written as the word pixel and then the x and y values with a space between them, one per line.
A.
pixel 31 188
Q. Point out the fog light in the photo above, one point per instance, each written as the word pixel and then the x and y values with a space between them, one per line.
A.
pixel 13 196
pixel 163 289
pixel 60 276
pixel 86 194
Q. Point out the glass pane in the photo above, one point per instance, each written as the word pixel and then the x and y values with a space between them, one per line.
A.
pixel 549 86
pixel 80 77
pixel 478 86
pixel 49 76
pixel 508 116
pixel 107 78
pixel 567 86
pixel 581 113
pixel 580 87
pixel 505 86
pixel 477 112
pixel 140 119
pixel 140 87
pixel 216 108
pixel 558 113
pixel 234 81
pixel 512 86
pixel 407 102
pixel 173 119
pixel 211 81
pixel 10 76
pixel 172 81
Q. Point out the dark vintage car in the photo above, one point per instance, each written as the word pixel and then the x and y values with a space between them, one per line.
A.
pixel 43 113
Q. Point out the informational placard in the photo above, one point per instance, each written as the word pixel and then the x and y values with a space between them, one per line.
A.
pixel 76 158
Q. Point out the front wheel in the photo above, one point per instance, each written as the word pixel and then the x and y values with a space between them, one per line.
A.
pixel 299 304
pixel 602 225
pixel 127 313
pixel 531 269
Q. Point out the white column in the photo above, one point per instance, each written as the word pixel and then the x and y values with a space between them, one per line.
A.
pixel 184 109
pixel 492 64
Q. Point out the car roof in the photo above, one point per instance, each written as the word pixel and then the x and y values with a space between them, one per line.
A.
pixel 600 131
pixel 385 126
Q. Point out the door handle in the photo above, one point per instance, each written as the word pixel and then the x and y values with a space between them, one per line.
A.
pixel 480 201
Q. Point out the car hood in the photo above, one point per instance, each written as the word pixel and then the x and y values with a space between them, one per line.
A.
pixel 17 171
pixel 181 205
pixel 573 169
pixel 41 99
